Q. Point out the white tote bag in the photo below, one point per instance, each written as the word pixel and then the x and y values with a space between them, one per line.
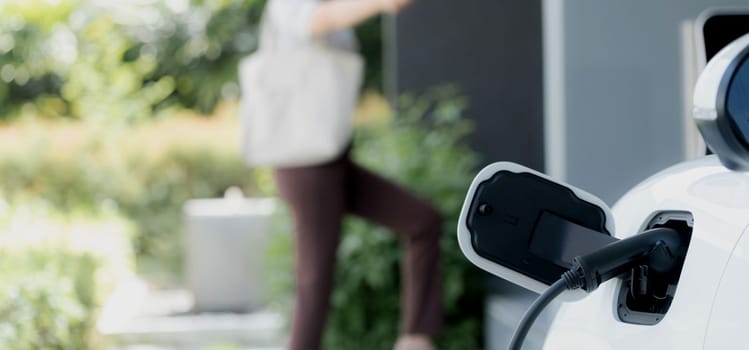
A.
pixel 297 103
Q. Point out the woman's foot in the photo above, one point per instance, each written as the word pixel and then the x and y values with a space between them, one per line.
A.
pixel 414 342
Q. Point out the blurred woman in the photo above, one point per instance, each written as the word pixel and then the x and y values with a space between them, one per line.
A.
pixel 319 196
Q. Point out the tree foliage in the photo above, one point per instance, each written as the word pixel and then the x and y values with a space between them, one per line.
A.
pixel 123 60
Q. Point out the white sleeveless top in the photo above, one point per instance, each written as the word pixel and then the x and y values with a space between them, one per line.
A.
pixel 291 22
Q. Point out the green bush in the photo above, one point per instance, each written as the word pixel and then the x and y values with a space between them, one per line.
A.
pixel 425 150
pixel 47 300
pixel 76 201
pixel 145 177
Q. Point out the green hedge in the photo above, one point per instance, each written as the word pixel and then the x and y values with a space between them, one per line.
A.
pixel 143 177
pixel 47 300
pixel 425 149
pixel 76 201
pixel 56 272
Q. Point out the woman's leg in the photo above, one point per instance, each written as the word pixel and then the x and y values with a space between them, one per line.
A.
pixel 419 225
pixel 316 197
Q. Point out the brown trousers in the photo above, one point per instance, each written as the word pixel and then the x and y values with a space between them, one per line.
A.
pixel 319 196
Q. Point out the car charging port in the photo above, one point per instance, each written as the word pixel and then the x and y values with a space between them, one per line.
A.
pixel 645 295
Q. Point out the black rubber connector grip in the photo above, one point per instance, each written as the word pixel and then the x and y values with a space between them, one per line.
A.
pixel 654 248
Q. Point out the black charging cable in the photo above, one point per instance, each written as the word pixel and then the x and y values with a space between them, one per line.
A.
pixel 534 311
pixel 654 248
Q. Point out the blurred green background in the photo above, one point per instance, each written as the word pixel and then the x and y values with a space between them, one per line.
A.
pixel 113 114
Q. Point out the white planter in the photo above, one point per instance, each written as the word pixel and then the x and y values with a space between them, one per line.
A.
pixel 224 245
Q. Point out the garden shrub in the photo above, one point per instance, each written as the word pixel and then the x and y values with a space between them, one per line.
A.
pixel 144 174
pixel 56 272
pixel 76 202
pixel 47 300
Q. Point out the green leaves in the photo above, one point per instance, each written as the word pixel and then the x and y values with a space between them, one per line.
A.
pixel 121 61
pixel 145 175
pixel 47 301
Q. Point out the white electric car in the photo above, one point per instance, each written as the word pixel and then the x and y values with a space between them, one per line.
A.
pixel 667 268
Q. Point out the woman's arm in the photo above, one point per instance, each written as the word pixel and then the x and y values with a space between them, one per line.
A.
pixel 333 15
